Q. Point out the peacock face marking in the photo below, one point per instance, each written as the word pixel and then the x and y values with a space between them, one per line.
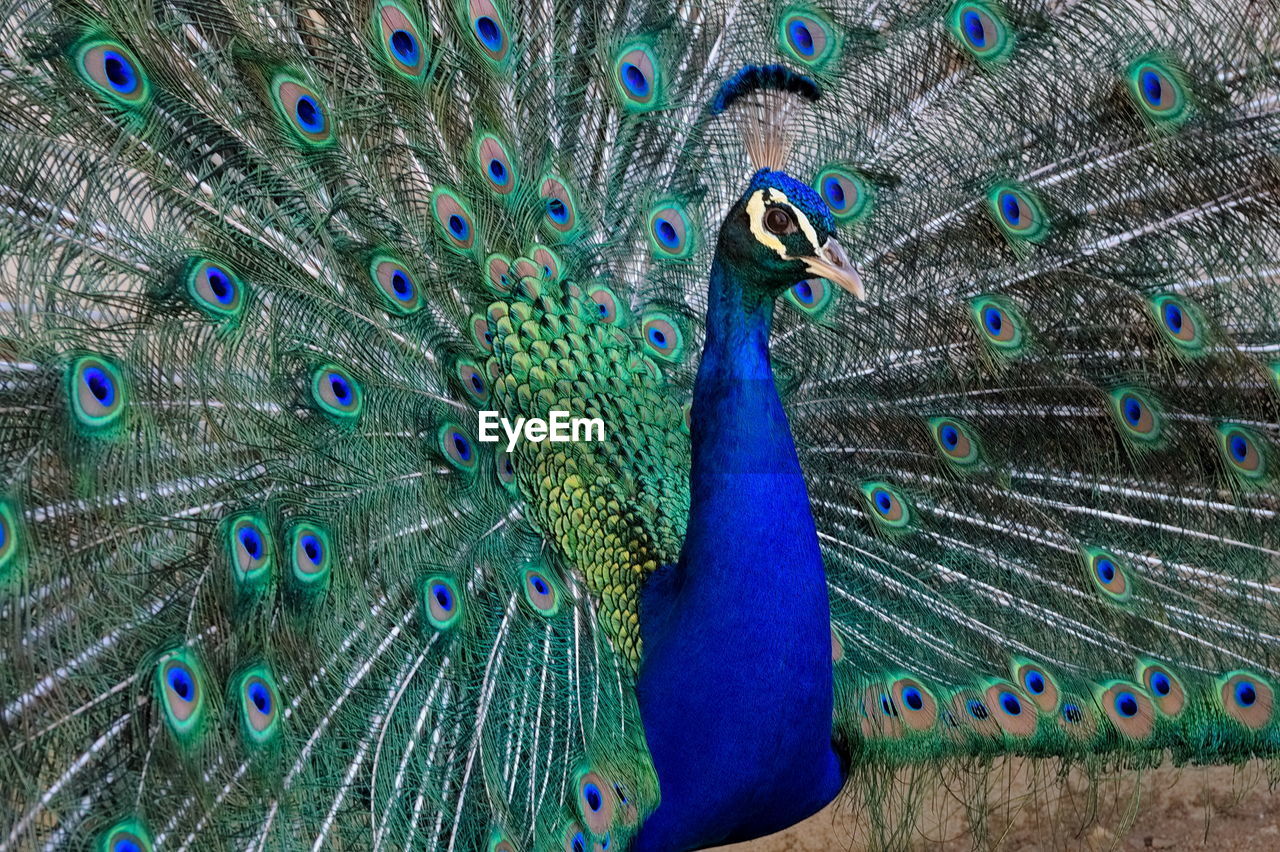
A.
pixel 784 231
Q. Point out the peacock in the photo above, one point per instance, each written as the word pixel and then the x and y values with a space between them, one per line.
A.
pixel 936 345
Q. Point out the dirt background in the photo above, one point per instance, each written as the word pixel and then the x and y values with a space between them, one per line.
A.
pixel 1218 808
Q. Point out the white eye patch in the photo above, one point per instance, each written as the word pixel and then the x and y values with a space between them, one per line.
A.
pixel 758 204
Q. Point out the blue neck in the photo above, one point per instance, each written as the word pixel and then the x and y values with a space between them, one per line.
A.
pixel 735 684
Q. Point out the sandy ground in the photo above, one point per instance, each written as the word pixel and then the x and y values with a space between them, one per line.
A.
pixel 1181 809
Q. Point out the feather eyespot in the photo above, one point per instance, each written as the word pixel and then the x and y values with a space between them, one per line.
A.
pixel 496 166
pixel 1018 212
pixel 458 448
pixel 1179 321
pixel 1009 709
pixel 955 440
pixel 540 593
pixel 125 836
pixel 1159 91
pixel 336 394
pixel 489 29
pixel 981 30
pixel 180 689
pixel 1108 574
pixel 670 232
pixel 1246 698
pixel 258 698
pixel 113 70
pixel 812 296
pixel 441 602
pixel 1128 708
pixel 401 39
pixel 98 392
pixel 886 505
pixel 481 333
pixel 596 802
pixel 808 36
pixel 1076 718
pixel 506 470
pixel 301 110
pixel 999 323
pixel 1037 684
pixel 847 194
pixel 916 705
pixel 546 261
pixel 395 284
pixel 249 544
pixel 1137 415
pixel 473 381
pixel 1164 687
pixel 214 289
pixel 310 556
pixel 560 214
pixel 1243 451
pixel 457 225
pixel 662 336
pixel 637 77
pixel 499 274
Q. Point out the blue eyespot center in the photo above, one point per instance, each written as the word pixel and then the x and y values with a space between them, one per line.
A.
pixel 458 227
pixel 1126 705
pixel 100 385
pixel 1239 448
pixel 1011 209
pixel 912 698
pixel 400 284
pixel 309 115
pixel 1071 713
pixel 883 501
pixel 125 845
pixel 950 436
pixel 1246 694
pixel 312 548
pixel 477 384
pixel 635 80
pixel 405 46
pixel 462 446
pixel 498 171
pixel 119 72
pixel 1010 703
pixel 1160 684
pixel 181 683
pixel 801 38
pixel 993 320
pixel 1173 317
pixel 887 707
pixel 539 585
pixel 804 292
pixel 656 337
pixel 251 542
pixel 341 389
pixel 1034 682
pixel 1106 570
pixel 579 843
pixel 974 30
pixel 667 234
pixel 219 285
pixel 591 795
pixel 260 697
pixel 443 596
pixel 977 709
pixel 489 32
pixel 1132 411
pixel 834 191
pixel 1152 89
pixel 557 210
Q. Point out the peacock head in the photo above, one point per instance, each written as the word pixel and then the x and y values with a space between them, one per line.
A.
pixel 781 232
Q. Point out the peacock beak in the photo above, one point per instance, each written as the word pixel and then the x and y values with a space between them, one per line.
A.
pixel 833 264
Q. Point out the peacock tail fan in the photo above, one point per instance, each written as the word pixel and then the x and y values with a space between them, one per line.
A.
pixel 263 264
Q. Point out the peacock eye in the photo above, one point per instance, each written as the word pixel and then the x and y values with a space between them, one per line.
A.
pixel 777 220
